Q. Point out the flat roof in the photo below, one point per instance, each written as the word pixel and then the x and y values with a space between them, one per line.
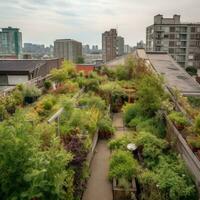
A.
pixel 174 74
pixel 20 65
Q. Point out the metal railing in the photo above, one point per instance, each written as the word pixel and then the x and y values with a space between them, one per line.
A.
pixel 56 116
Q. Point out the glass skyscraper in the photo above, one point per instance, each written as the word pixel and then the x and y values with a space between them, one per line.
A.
pixel 10 42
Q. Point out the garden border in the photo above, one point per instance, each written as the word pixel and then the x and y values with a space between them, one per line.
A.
pixel 178 142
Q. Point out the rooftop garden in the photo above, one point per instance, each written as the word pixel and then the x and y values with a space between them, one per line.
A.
pixel 41 160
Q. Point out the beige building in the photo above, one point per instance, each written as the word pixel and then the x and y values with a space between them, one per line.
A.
pixel 180 40
pixel 109 45
pixel 68 49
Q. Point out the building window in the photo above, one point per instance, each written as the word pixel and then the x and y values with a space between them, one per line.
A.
pixel 193 29
pixel 171 50
pixel 3 80
pixel 166 36
pixel 172 36
pixel 172 29
pixel 171 43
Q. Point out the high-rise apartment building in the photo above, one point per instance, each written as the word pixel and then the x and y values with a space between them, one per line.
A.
pixel 109 45
pixel 10 43
pixel 68 49
pixel 120 46
pixel 180 40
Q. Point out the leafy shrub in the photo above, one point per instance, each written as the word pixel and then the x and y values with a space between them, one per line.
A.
pixel 114 95
pixel 150 94
pixel 37 169
pixel 136 121
pixel 130 111
pixel 45 105
pixel 67 70
pixel 152 147
pixel 120 143
pixel 90 101
pixel 30 93
pixel 191 70
pixel 173 179
pixel 149 186
pixel 75 144
pixel 178 118
pixel 194 141
pixel 194 101
pixel 106 130
pixel 123 165
pixel 47 84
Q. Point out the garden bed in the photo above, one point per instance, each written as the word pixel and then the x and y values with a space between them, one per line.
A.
pixel 119 193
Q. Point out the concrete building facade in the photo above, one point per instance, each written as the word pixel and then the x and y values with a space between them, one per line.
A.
pixel 109 45
pixel 10 43
pixel 180 40
pixel 68 49
pixel 120 46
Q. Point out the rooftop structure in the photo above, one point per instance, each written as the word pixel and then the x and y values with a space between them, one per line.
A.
pixel 68 49
pixel 180 40
pixel 10 43
pixel 13 72
pixel 175 76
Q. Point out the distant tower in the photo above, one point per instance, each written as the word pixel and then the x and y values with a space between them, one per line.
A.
pixel 109 45
pixel 10 43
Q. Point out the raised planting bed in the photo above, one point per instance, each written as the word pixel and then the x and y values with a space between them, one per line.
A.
pixel 121 193
pixel 179 143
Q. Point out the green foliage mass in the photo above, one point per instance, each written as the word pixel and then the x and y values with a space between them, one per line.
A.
pixel 123 165
pixel 31 166
pixel 178 118
pixel 150 94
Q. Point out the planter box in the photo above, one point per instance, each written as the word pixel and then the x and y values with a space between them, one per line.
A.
pixel 120 193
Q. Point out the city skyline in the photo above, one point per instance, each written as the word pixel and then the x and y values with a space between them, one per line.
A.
pixel 45 21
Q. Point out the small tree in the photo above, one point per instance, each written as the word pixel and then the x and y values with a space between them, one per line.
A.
pixel 150 93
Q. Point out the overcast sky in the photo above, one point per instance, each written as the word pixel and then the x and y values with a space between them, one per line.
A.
pixel 43 21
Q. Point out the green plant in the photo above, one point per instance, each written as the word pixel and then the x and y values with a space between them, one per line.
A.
pixel 91 100
pixel 191 70
pixel 130 111
pixel 194 141
pixel 173 179
pixel 150 94
pixel 194 101
pixel 47 84
pixel 120 143
pixel 45 104
pixel 196 126
pixel 178 118
pixel 106 130
pixel 30 91
pixel 152 147
pixel 123 165
pixel 29 169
